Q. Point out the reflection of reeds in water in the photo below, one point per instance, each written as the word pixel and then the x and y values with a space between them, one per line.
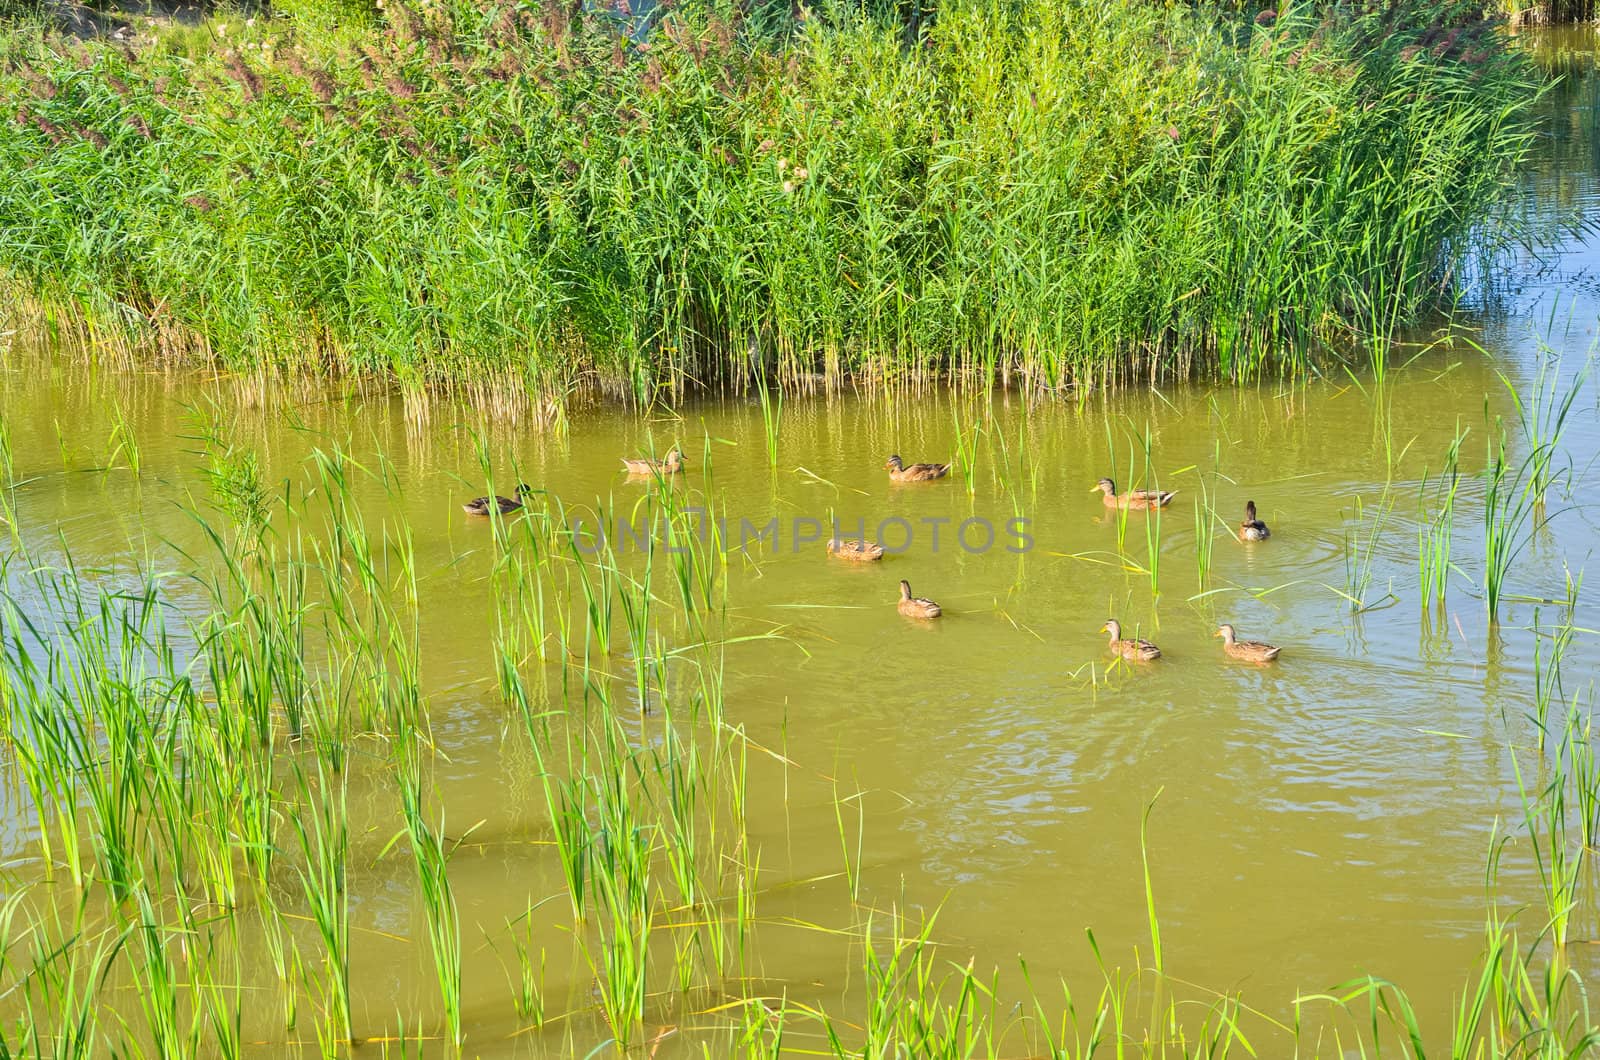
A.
pixel 122 444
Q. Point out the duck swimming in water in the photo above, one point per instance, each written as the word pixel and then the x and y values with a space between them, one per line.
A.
pixel 505 505
pixel 900 471
pixel 1131 648
pixel 858 551
pixel 1252 529
pixel 1133 499
pixel 671 465
pixel 1246 650
pixel 917 606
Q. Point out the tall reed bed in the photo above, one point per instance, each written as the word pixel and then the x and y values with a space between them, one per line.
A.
pixel 511 203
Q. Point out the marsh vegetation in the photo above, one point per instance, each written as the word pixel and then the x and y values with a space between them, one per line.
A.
pixel 298 758
pixel 513 205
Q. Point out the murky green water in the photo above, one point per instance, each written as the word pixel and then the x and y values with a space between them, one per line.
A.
pixel 1319 819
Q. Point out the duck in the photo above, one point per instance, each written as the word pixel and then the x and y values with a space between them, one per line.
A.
pixel 1134 499
pixel 670 465
pixel 1252 529
pixel 900 471
pixel 917 606
pixel 1132 648
pixel 505 505
pixel 862 551
pixel 1247 650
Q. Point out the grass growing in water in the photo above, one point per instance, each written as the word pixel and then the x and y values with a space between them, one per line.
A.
pixel 511 204
pixel 1436 527
pixel 662 911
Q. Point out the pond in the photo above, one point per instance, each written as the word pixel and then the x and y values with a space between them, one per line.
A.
pixel 1301 824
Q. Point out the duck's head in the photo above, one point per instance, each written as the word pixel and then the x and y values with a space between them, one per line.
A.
pixel 1250 511
pixel 1105 486
pixel 894 463
pixel 523 489
pixel 905 589
pixel 1226 632
pixel 1112 627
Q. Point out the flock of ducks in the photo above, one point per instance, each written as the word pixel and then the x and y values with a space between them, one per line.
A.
pixel 1132 649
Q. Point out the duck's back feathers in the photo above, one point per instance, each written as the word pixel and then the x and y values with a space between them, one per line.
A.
pixel 917 606
pixel 856 551
pixel 1253 529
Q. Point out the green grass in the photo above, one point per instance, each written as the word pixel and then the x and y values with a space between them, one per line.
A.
pixel 513 208
pixel 1436 527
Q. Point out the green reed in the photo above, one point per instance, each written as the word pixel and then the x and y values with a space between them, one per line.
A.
pixel 1205 519
pixel 770 398
pixel 432 862
pixel 967 434
pixel 568 811
pixel 320 824
pixel 1585 775
pixel 528 986
pixel 918 1005
pixel 1114 211
pixel 1515 490
pixel 1542 412
pixel 1548 652
pixel 221 1001
pixel 67 968
pixel 1559 863
pixel 597 577
pixel 1509 507
pixel 853 863
pixel 156 980
pixel 1436 526
pixel 1361 537
pixel 8 462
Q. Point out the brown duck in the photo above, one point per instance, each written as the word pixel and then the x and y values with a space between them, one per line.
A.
pixel 1131 648
pixel 1246 650
pixel 671 465
pixel 504 505
pixel 1133 499
pixel 858 551
pixel 900 471
pixel 1252 529
pixel 917 606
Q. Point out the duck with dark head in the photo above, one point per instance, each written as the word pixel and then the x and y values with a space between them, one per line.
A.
pixel 504 505
pixel 900 471
pixel 1252 529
